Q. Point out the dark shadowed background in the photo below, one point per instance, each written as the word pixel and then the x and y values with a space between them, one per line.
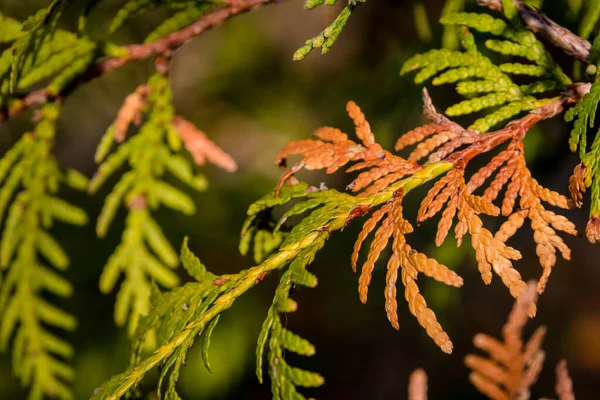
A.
pixel 239 84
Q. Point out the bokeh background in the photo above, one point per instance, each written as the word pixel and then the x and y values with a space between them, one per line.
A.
pixel 239 84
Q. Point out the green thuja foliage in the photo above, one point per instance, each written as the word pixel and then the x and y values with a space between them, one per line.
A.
pixel 328 210
pixel 278 339
pixel 423 29
pixel 144 253
pixel 31 258
pixel 584 116
pixel 590 17
pixel 485 84
pixel 42 51
pixel 451 32
pixel 326 39
pixel 189 12
pixel 186 12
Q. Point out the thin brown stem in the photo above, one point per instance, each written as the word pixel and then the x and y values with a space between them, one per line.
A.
pixel 518 128
pixel 538 22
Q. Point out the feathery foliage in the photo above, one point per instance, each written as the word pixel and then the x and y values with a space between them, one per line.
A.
pixel 587 173
pixel 193 309
pixel 485 84
pixel 450 38
pixel 145 254
pixel 514 75
pixel 285 378
pixel 40 51
pixel 30 258
pixel 512 367
pixel 185 12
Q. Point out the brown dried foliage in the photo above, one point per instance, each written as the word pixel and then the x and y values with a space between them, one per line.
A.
pixel 445 141
pixel 564 384
pixel 516 178
pixel 577 185
pixel 490 252
pixel 406 261
pixel 514 366
pixel 130 112
pixel 332 150
pixel 417 385
pixel 202 148
pixel 442 134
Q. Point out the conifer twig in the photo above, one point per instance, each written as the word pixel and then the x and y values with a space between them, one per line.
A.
pixel 538 22
pixel 518 128
pixel 135 52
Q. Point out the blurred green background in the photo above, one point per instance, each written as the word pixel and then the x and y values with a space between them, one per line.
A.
pixel 238 83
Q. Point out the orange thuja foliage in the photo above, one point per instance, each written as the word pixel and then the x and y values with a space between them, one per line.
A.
pixel 200 147
pixel 417 385
pixel 411 261
pixel 512 367
pixel 130 112
pixel 445 143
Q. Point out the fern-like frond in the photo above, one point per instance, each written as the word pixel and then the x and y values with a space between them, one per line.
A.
pixel 394 176
pixel 278 339
pixel 485 84
pixel 40 53
pixel 145 254
pixel 182 314
pixel 513 365
pixel 133 8
pixel 31 260
pixel 587 174
pixel 449 148
pixel 59 56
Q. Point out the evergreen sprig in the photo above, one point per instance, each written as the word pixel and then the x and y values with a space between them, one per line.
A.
pixel 186 12
pixel 285 378
pixel 144 254
pixel 329 210
pixel 587 174
pixel 326 39
pixel 485 84
pixel 30 256
pixel 40 53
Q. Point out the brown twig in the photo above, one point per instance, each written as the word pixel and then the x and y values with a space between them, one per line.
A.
pixel 518 128
pixel 163 46
pixel 538 22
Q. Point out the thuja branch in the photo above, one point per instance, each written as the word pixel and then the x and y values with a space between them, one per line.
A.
pixel 175 40
pixel 515 130
pixel 512 366
pixel 539 23
pixel 110 56
pixel 304 241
